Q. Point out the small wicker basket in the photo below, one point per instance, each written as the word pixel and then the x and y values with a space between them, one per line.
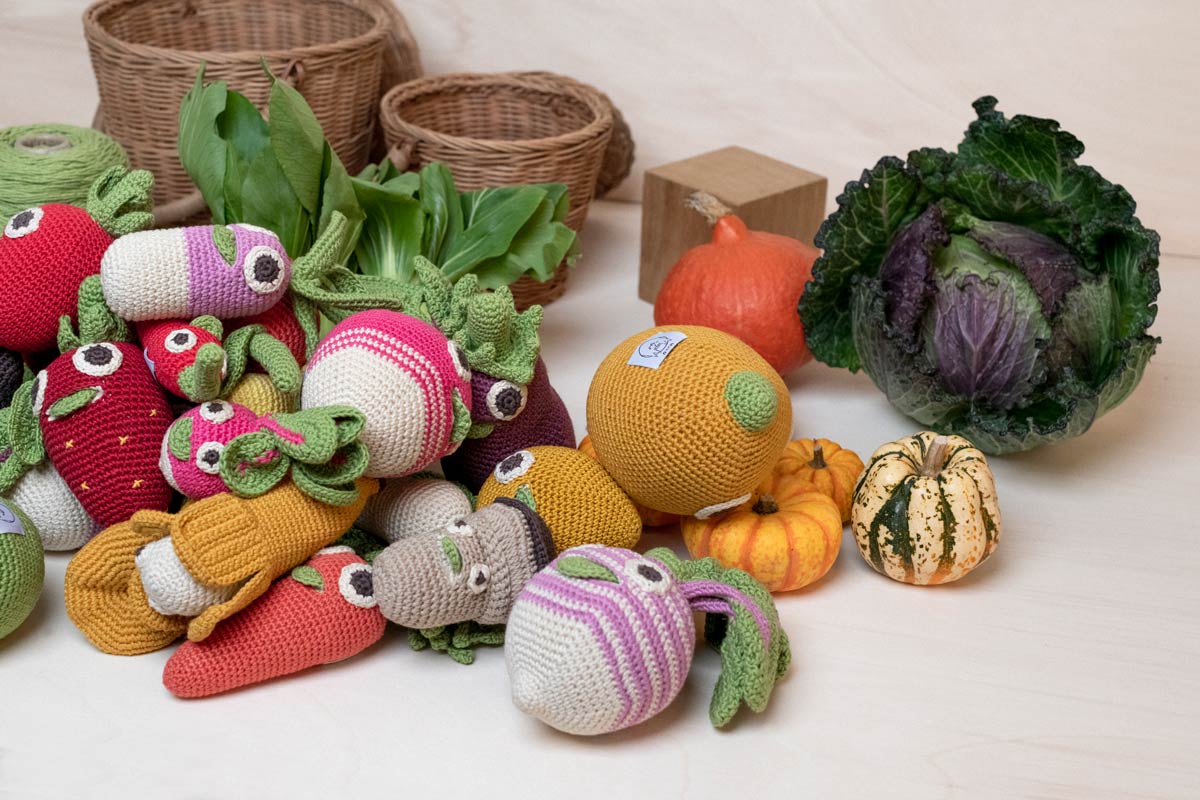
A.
pixel 146 54
pixel 505 129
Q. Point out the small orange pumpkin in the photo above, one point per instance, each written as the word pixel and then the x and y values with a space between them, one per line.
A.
pixel 786 536
pixel 831 468
pixel 650 517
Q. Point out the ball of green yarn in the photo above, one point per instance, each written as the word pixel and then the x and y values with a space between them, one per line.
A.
pixel 22 567
pixel 52 164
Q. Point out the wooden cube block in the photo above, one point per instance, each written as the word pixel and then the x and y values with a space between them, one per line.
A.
pixel 767 194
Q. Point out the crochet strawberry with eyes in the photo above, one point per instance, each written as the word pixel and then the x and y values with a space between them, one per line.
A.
pixel 103 416
pixel 46 252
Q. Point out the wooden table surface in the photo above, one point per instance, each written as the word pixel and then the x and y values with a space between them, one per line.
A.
pixel 1065 667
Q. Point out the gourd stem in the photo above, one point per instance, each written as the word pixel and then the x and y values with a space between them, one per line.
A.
pixel 935 458
pixel 765 505
pixel 710 207
pixel 818 459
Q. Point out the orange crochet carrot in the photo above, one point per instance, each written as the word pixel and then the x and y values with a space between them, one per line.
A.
pixel 322 613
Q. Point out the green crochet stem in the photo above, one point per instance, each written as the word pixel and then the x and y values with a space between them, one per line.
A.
pixel 317 447
pixel 97 323
pixel 457 641
pixel 200 381
pixel 20 438
pixel 253 341
pixel 750 665
pixel 119 201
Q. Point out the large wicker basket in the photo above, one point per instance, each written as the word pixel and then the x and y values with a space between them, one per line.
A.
pixel 146 54
pixel 504 129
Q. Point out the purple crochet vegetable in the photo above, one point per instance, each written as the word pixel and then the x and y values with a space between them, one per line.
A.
pixel 602 638
pixel 518 417
pixel 226 271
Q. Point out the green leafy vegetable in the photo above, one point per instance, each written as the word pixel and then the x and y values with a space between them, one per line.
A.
pixel 1002 291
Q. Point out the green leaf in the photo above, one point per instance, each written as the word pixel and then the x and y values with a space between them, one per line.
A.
pixel 242 127
pixel 584 569
pixel 268 201
pixel 298 143
pixel 491 220
pixel 201 148
pixel 453 557
pixel 337 196
pixel 392 231
pixel 444 217
pixel 179 439
pixel 308 576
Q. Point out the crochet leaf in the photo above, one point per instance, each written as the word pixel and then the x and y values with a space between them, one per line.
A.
pixel 462 419
pixel 585 569
pixel 179 439
pixel 308 576
pixel 751 662
pixel 21 445
pixel 253 341
pixel 119 201
pixel 457 641
pixel 97 322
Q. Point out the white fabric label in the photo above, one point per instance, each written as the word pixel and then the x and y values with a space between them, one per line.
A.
pixel 654 351
pixel 9 521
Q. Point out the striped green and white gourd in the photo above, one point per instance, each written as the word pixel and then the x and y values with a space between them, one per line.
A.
pixel 925 509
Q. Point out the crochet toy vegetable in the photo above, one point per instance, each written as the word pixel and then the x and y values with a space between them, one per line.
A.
pixel 46 252
pixel 470 570
pixel 222 541
pixel 222 270
pixel 827 465
pixel 103 416
pixel 189 360
pixel 650 517
pixel 574 495
pixel 658 390
pixel 925 510
pixel 1001 291
pixel 256 392
pixel 746 283
pixel 190 458
pixel 602 639
pixel 786 536
pixel 410 382
pixel 29 480
pixel 12 375
pixel 22 567
pixel 415 505
pixel 322 613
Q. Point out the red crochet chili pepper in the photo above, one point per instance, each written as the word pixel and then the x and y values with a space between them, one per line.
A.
pixel 186 358
pixel 322 613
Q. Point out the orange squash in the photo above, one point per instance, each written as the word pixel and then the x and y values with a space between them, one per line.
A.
pixel 650 517
pixel 833 469
pixel 786 536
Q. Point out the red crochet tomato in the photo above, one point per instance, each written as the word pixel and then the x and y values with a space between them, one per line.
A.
pixel 172 349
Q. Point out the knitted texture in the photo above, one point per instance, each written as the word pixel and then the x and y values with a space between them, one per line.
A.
pixel 580 503
pixel 258 393
pixel 22 567
pixel 12 375
pixel 324 612
pixel 170 589
pixel 471 570
pixel 284 322
pixel 52 508
pixel 190 458
pixel 650 517
pixel 179 352
pixel 414 505
pixel 692 427
pixel 603 638
pixel 514 417
pixel 408 379
pixel 103 418
pixel 223 270
pixel 221 541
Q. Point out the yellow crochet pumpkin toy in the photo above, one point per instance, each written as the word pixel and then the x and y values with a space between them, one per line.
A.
pixel 572 493
pixel 687 420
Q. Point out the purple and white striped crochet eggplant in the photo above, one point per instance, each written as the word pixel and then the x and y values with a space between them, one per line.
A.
pixel 602 638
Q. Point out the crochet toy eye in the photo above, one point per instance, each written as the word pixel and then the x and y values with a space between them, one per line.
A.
pixel 208 457
pixel 357 585
pixel 97 360
pixel 647 576
pixel 460 361
pixel 180 341
pixel 263 269
pixel 478 578
pixel 460 527
pixel 216 411
pixel 505 400
pixel 23 223
pixel 514 466
pixel 39 392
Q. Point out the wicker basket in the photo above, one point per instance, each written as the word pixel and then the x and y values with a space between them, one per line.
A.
pixel 146 54
pixel 504 129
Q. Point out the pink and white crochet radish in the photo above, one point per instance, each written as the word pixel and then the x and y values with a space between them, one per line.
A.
pixel 226 271
pixel 191 451
pixel 411 383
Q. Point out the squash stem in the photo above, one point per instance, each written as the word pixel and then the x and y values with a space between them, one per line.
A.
pixel 935 458
pixel 818 459
pixel 710 207
pixel 765 505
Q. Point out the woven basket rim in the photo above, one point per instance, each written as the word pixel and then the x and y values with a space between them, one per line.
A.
pixel 95 32
pixel 433 84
